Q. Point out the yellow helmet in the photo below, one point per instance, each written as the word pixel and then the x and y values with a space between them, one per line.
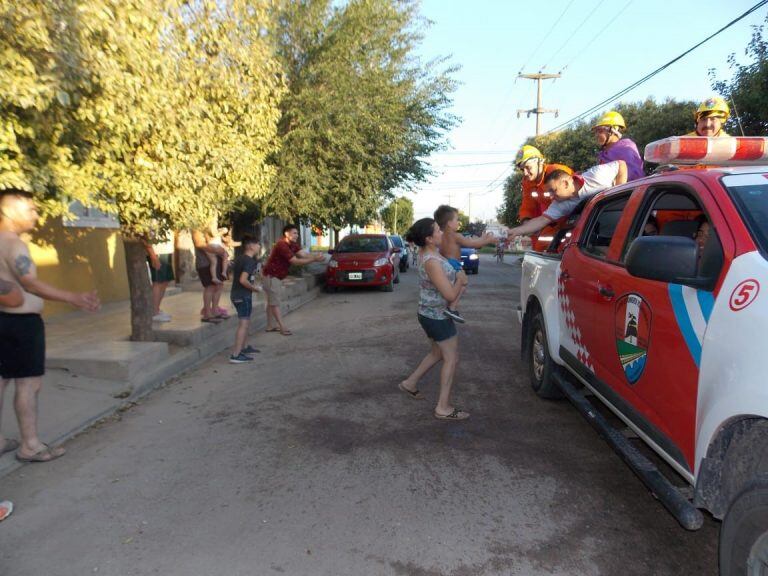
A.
pixel 714 106
pixel 611 118
pixel 526 153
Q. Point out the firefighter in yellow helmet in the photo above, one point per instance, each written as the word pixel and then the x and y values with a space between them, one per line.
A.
pixel 613 146
pixel 710 117
pixel 536 197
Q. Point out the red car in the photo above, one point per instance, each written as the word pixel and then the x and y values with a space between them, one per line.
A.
pixel 364 260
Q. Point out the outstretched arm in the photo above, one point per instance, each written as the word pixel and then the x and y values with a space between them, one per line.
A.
pixel 26 272
pixel 466 242
pixel 530 227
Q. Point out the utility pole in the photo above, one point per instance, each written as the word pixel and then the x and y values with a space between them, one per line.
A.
pixel 395 225
pixel 538 110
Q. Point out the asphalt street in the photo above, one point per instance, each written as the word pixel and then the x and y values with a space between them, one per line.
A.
pixel 310 461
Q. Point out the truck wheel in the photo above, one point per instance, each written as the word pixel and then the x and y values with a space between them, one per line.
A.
pixel 744 535
pixel 540 364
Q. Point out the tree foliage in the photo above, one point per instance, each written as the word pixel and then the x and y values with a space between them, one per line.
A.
pixel 575 146
pixel 747 90
pixel 361 114
pixel 162 112
pixel 398 215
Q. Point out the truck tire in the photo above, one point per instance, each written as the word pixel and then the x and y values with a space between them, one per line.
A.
pixel 540 364
pixel 744 534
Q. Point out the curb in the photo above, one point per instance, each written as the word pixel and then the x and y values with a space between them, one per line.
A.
pixel 176 365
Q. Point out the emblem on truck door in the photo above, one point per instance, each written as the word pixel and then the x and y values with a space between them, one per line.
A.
pixel 633 331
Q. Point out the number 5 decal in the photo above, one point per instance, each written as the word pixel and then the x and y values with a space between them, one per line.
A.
pixel 744 294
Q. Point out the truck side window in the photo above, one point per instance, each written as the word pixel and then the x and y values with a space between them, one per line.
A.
pixel 602 227
pixel 677 212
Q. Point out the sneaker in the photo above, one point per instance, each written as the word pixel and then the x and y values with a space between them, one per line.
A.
pixel 250 350
pixel 161 317
pixel 6 507
pixel 240 359
pixel 454 315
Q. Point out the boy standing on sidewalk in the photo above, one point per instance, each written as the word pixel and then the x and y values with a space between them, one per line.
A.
pixel 447 217
pixel 243 287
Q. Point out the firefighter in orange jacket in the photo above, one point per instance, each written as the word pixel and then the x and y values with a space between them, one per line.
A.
pixel 536 196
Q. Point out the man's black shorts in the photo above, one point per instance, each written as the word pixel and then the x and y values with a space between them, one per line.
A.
pixel 22 345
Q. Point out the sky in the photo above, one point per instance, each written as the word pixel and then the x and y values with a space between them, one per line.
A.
pixel 599 46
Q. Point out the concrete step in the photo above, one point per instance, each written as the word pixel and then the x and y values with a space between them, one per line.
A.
pixel 111 360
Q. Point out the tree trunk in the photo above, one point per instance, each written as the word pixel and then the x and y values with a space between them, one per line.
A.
pixel 140 289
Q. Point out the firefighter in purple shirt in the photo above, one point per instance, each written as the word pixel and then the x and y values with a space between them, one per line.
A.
pixel 607 133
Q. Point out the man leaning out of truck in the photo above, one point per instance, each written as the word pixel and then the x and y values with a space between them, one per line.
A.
pixel 569 190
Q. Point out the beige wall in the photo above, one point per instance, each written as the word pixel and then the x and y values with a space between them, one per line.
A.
pixel 80 259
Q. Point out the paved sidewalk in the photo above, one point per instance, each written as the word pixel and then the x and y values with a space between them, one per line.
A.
pixel 93 370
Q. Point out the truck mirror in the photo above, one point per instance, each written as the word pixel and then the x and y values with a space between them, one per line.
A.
pixel 672 259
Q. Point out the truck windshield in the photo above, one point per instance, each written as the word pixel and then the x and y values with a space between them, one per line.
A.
pixel 750 194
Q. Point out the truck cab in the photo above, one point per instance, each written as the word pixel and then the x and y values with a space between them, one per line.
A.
pixel 655 304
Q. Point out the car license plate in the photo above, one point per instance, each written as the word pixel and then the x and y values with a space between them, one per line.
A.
pixel 355 275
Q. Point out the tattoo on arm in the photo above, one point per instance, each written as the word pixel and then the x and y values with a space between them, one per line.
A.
pixel 23 265
pixel 5 287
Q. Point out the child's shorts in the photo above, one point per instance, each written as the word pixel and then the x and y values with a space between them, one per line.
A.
pixel 244 307
pixel 455 263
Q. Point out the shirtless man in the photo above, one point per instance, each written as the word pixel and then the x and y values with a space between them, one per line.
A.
pixel 22 354
pixel 11 296
pixel 447 218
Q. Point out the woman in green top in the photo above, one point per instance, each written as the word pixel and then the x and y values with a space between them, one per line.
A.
pixel 437 287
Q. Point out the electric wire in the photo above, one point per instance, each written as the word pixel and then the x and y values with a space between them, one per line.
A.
pixel 596 36
pixel 647 77
pixel 546 36
pixel 576 30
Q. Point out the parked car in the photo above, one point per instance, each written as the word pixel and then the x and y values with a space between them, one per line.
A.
pixel 364 260
pixel 655 307
pixel 470 260
pixel 398 242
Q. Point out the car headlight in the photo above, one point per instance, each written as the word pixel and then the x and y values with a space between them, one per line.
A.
pixel 333 264
pixel 380 262
pixel 473 256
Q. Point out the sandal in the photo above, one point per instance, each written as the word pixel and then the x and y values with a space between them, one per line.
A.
pixel 415 394
pixel 457 414
pixel 45 454
pixel 286 333
pixel 211 320
pixel 9 446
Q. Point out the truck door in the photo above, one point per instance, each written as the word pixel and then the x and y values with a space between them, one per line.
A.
pixel 656 329
pixel 586 291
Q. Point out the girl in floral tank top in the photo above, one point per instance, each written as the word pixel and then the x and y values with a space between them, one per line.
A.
pixel 437 287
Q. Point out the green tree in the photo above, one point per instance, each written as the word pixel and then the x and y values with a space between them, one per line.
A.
pixel 476 228
pixel 361 115
pixel 398 215
pixel 747 90
pixel 166 111
pixel 575 146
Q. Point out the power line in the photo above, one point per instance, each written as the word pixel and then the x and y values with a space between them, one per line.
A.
pixel 546 36
pixel 576 29
pixel 595 37
pixel 657 71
